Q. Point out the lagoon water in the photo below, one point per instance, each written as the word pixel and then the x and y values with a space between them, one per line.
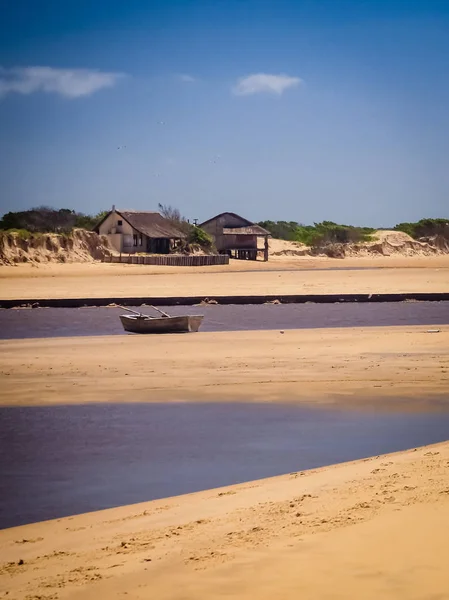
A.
pixel 62 460
pixel 62 322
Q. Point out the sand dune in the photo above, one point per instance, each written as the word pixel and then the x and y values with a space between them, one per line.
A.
pixel 80 246
pixel 384 243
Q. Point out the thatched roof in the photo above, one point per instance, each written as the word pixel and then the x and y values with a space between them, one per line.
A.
pixel 151 224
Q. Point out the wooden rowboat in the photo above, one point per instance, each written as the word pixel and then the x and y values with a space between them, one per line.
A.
pixel 140 323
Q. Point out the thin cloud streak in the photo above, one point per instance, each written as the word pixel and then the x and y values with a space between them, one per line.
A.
pixel 187 78
pixel 69 83
pixel 259 83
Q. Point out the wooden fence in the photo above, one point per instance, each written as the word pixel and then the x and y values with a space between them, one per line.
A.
pixel 170 260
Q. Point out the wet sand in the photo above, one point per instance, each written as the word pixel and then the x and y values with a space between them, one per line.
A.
pixel 299 276
pixel 375 528
pixel 360 366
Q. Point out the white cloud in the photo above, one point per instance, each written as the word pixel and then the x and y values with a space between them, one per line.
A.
pixel 265 83
pixel 187 78
pixel 71 83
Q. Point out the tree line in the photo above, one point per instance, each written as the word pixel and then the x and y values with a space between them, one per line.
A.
pixel 44 219
pixel 426 228
pixel 328 232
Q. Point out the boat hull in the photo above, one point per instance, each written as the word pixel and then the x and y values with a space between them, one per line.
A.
pixel 186 324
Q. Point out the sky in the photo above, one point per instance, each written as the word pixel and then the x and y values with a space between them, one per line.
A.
pixel 303 110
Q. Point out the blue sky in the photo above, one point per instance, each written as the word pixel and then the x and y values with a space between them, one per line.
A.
pixel 283 109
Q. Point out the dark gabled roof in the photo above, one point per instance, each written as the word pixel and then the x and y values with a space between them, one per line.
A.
pixel 245 221
pixel 250 230
pixel 247 229
pixel 151 224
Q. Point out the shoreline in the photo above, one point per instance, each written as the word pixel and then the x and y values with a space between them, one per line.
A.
pixel 408 275
pixel 266 538
pixel 372 366
pixel 218 491
pixel 224 300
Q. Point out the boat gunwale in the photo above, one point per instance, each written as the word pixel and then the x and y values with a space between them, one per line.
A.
pixel 159 325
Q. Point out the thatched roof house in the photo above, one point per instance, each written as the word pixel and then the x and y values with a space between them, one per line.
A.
pixel 139 231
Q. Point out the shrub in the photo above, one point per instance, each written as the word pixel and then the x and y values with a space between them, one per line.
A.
pixel 23 234
pixel 425 228
pixel 317 234
pixel 44 219
pixel 200 237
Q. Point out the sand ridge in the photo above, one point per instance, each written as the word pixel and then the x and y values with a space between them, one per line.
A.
pixel 371 528
pixel 363 366
pixel 300 276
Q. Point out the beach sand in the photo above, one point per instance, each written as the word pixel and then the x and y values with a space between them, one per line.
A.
pixel 303 275
pixel 365 366
pixel 370 529
pixel 375 528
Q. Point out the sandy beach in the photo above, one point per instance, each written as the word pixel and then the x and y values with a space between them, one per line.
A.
pixel 375 528
pixel 282 276
pixel 292 443
pixel 357 365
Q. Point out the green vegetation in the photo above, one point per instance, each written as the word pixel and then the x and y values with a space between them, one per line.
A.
pixel 200 237
pixel 328 232
pixel 317 234
pixel 195 235
pixel 23 234
pixel 282 230
pixel 44 219
pixel 89 221
pixel 425 228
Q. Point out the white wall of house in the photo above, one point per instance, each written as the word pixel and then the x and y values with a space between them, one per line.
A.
pixel 116 240
pixel 121 235
pixel 114 223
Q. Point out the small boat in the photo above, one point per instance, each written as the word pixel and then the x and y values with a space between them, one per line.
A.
pixel 140 323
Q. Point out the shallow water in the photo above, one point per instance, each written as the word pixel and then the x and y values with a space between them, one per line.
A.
pixel 61 322
pixel 62 460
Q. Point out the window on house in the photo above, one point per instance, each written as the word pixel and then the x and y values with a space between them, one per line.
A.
pixel 119 223
pixel 135 240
